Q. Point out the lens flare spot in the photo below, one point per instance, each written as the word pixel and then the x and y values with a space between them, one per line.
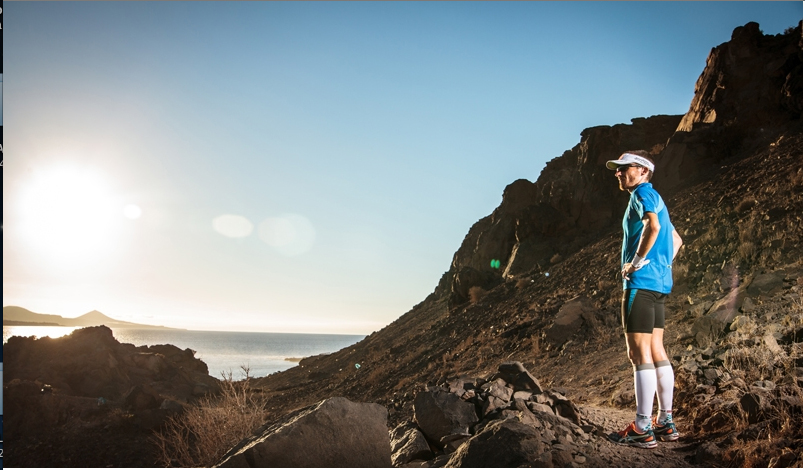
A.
pixel 288 234
pixel 232 226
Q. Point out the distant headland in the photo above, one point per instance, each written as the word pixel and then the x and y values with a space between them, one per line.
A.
pixel 18 316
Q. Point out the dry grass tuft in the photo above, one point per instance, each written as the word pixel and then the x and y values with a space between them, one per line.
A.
pixel 205 431
pixel 477 293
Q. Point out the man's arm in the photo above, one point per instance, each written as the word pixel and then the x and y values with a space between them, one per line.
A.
pixel 651 230
pixel 677 243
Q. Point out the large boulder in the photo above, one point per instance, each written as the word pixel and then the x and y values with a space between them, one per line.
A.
pixel 506 443
pixel 440 413
pixel 407 444
pixel 569 319
pixel 514 373
pixel 336 432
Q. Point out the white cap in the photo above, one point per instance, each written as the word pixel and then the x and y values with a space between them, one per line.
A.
pixel 628 158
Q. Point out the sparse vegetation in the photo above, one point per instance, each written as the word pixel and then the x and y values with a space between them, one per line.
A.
pixel 205 431
pixel 476 293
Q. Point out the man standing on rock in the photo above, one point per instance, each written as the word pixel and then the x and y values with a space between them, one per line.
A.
pixel 650 244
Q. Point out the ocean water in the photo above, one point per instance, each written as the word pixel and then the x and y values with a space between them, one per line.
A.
pixel 222 351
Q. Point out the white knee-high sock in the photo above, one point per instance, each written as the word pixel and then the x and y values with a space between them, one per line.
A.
pixel 645 386
pixel 665 390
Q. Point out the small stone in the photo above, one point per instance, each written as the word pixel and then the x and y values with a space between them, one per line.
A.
pixel 711 374
pixel 771 343
pixel 765 384
pixel 748 305
pixel 535 407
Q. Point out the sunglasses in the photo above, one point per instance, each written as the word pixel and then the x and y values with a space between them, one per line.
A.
pixel 625 168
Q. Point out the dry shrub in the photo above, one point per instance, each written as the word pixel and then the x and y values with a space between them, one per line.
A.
pixel 769 444
pixel 747 251
pixel 476 293
pixel 205 431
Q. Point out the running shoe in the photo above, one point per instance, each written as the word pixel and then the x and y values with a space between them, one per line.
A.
pixel 666 432
pixel 632 437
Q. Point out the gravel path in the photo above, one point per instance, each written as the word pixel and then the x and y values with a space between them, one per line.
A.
pixel 680 453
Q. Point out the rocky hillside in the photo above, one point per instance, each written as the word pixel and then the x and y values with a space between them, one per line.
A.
pixel 730 171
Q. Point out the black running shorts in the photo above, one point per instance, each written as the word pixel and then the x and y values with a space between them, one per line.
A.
pixel 642 311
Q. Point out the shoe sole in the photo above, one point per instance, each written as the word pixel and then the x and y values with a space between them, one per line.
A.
pixel 642 445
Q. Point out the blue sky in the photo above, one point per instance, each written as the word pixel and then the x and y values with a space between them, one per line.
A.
pixel 300 166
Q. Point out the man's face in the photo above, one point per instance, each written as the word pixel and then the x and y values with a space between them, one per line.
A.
pixel 629 176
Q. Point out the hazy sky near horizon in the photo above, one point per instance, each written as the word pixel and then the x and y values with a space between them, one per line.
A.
pixel 304 167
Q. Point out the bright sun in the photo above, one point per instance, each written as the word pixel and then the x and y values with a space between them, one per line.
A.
pixel 69 216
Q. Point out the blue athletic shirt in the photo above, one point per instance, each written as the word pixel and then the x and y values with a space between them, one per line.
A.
pixel 655 276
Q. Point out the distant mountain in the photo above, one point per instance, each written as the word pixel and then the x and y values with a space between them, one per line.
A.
pixel 18 316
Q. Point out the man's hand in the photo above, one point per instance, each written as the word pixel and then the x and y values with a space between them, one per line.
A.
pixel 629 268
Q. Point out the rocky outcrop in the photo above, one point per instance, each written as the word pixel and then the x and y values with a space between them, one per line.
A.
pixel 50 381
pixel 333 433
pixel 508 420
pixel 750 85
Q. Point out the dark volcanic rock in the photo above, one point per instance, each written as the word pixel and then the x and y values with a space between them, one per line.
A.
pixel 569 319
pixel 516 374
pixel 506 443
pixel 94 400
pixel 751 83
pixel 90 362
pixel 334 433
pixel 440 413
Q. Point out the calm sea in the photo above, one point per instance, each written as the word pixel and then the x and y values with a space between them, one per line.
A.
pixel 222 351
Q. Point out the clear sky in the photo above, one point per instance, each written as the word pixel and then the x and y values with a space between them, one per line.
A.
pixel 304 167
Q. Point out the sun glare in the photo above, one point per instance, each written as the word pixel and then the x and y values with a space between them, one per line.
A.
pixel 68 216
pixel 132 211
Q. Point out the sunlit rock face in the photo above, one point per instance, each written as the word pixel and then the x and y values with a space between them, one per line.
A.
pixel 750 86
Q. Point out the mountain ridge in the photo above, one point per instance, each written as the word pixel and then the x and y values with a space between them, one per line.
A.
pixel 19 316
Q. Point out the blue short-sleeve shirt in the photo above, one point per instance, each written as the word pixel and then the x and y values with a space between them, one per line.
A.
pixel 655 276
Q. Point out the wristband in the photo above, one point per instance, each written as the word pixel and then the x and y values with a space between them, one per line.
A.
pixel 638 261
